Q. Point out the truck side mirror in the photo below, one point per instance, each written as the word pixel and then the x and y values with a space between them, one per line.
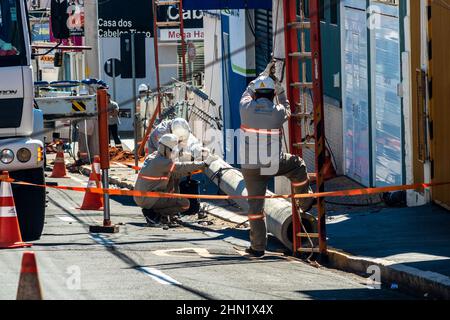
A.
pixel 59 18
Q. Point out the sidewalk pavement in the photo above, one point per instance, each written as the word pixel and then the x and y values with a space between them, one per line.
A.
pixel 411 246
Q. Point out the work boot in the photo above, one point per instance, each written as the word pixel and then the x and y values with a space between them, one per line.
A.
pixel 253 253
pixel 306 204
pixel 174 222
pixel 167 222
pixel 152 218
pixel 176 219
pixel 152 223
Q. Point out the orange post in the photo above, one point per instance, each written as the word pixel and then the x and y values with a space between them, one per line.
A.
pixel 103 130
pixel 102 108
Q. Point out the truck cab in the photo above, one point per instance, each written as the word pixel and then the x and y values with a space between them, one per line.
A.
pixel 21 151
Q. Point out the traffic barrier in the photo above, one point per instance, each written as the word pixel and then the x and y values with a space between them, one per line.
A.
pixel 29 285
pixel 59 168
pixel 93 201
pixel 10 236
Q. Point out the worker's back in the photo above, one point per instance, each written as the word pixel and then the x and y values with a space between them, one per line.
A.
pixel 261 131
pixel 160 130
pixel 154 176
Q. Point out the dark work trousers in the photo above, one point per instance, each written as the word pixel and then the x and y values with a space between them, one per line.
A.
pixel 114 133
pixel 290 166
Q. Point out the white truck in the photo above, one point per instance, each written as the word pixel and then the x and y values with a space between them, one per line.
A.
pixel 21 151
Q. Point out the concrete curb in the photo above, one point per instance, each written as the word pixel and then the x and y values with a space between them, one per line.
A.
pixel 422 283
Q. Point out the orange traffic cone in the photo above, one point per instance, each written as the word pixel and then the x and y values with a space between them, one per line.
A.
pixel 10 236
pixel 29 285
pixel 93 201
pixel 59 169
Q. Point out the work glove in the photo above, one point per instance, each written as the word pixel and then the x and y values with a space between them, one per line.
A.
pixel 251 87
pixel 185 157
pixel 210 159
pixel 279 89
pixel 270 70
pixel 199 152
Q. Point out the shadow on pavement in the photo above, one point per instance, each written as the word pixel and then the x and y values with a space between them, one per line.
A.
pixel 418 237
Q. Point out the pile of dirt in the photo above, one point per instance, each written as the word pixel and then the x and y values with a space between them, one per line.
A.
pixel 119 155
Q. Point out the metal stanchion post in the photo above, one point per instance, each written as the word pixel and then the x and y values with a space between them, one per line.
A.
pixel 102 108
pixel 133 110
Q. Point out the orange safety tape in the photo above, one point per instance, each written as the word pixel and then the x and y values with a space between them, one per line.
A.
pixel 139 168
pixel 299 184
pixel 127 165
pixel 150 178
pixel 154 194
pixel 261 131
pixel 254 217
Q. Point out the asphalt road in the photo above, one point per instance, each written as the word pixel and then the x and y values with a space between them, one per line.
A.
pixel 148 263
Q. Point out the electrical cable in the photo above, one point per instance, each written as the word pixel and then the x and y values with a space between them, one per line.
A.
pixel 354 204
pixel 49 51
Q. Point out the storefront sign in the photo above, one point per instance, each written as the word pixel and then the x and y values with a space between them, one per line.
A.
pixel 118 16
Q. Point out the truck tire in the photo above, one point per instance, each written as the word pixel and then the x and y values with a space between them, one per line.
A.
pixel 30 203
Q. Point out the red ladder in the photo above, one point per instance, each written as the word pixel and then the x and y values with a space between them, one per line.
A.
pixel 299 90
pixel 156 26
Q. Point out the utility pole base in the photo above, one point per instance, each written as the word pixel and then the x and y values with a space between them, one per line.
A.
pixel 104 229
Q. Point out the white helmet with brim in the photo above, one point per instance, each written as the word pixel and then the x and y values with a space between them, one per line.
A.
pixel 264 84
pixel 180 128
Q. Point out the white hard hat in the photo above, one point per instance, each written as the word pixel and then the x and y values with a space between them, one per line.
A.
pixel 181 129
pixel 143 87
pixel 169 140
pixel 264 83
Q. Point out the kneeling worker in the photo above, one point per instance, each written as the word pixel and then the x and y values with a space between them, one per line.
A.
pixel 158 174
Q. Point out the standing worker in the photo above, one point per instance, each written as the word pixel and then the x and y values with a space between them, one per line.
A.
pixel 262 121
pixel 88 144
pixel 142 108
pixel 159 173
pixel 114 121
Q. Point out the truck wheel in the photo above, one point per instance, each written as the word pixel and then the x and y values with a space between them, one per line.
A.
pixel 30 203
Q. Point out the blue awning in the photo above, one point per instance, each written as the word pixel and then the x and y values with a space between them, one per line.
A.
pixel 226 4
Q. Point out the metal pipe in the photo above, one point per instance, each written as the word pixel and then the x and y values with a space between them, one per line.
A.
pixel 133 109
pixel 106 207
pixel 278 211
pixel 102 105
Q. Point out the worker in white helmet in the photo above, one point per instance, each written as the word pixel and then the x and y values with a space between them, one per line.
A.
pixel 143 88
pixel 189 146
pixel 159 173
pixel 142 109
pixel 264 109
